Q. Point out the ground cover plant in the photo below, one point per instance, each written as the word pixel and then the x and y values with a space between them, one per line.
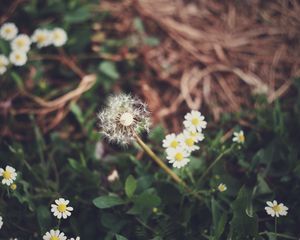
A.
pixel 104 134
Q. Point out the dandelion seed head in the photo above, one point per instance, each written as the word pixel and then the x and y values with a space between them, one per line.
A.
pixel 122 118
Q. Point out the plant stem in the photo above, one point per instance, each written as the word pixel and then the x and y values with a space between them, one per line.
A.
pixel 278 235
pixel 160 163
pixel 214 163
pixel 275 227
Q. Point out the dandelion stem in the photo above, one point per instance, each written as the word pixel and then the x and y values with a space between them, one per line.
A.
pixel 214 163
pixel 160 163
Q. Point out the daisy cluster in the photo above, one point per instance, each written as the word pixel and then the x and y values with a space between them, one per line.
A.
pixel 61 210
pixel 180 146
pixel 20 43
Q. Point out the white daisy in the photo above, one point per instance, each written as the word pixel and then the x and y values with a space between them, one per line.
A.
pixel 239 137
pixel 194 121
pixel 3 64
pixel 222 187
pixel 59 37
pixel 188 140
pixel 9 175
pixel 21 43
pixel 61 209
pixel 77 238
pixel 171 141
pixel 275 209
pixel 54 235
pixel 178 156
pixel 113 176
pixel 42 37
pixel 18 58
pixel 199 136
pixel 1 222
pixel 8 31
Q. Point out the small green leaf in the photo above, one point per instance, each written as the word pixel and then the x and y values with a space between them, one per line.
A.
pixel 119 237
pixel 109 69
pixel 107 201
pixel 76 110
pixel 130 186
pixel 17 78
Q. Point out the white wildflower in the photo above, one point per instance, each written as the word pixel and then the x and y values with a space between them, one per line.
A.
pixel 8 174
pixel 275 209
pixel 18 58
pixel 59 37
pixel 222 187
pixel 171 141
pixel 42 37
pixel 61 208
pixel 194 121
pixel 54 235
pixel 21 43
pixel 8 31
pixel 239 137
pixel 178 156
pixel 3 64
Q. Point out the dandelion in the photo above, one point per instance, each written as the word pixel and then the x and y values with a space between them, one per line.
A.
pixel 113 176
pixel 222 187
pixel 188 141
pixel 42 37
pixel 3 64
pixel 18 58
pixel 275 209
pixel 8 31
pixel 123 118
pixel 239 137
pixel 1 222
pixel 194 121
pixel 9 175
pixel 21 43
pixel 178 156
pixel 54 235
pixel 61 208
pixel 171 141
pixel 59 37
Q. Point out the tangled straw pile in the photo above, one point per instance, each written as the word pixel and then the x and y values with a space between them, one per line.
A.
pixel 215 53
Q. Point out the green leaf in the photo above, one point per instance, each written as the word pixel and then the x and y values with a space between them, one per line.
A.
pixel 147 200
pixel 17 78
pixel 109 69
pixel 79 15
pixel 76 110
pixel 119 237
pixel 44 218
pixel 130 186
pixel 107 201
pixel 242 225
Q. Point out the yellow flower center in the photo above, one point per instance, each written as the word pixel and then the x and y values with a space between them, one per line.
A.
pixel 41 38
pixel 54 238
pixel 7 30
pixel 178 156
pixel 241 138
pixel 6 175
pixel 190 142
pixel 276 208
pixel 195 121
pixel 174 144
pixel 18 57
pixel 62 207
pixel 222 187
pixel 20 43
